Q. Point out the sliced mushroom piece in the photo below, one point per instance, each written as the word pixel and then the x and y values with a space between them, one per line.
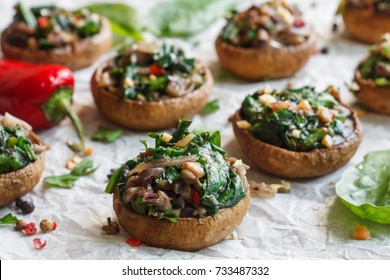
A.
pixel 190 178
pixel 178 86
pixel 382 69
pixel 130 194
pixel 163 201
pixel 264 190
pixel 148 174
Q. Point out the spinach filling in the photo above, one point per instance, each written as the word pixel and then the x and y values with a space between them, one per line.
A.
pixel 272 22
pixel 148 73
pixel 48 27
pixel 15 149
pixel 184 175
pixel 377 66
pixel 299 120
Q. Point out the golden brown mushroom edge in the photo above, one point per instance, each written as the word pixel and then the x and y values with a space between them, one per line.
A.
pixel 364 24
pixel 83 53
pixel 266 62
pixel 266 41
pixel 187 234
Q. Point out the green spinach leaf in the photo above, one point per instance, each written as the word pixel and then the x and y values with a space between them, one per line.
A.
pixel 8 219
pixel 107 135
pixel 211 107
pixel 185 18
pixel 365 188
pixel 67 181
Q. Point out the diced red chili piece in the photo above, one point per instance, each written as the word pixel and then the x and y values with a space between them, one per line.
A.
pixel 43 22
pixel 54 226
pixel 133 242
pixel 195 197
pixel 156 70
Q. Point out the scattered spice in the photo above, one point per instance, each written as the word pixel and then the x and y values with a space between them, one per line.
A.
pixel 361 233
pixel 38 244
pixel 88 151
pixel 27 207
pixel 21 224
pixel 133 242
pixel 324 50
pixel 335 27
pixel 47 225
pixel 111 228
pixel 264 190
pixel 232 236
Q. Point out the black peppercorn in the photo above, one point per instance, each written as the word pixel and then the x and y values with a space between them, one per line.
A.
pixel 27 207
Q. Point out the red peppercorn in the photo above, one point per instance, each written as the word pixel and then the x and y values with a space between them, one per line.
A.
pixel 299 23
pixel 30 229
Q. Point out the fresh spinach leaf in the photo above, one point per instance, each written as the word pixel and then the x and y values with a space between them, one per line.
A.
pixel 8 219
pixel 211 107
pixel 364 188
pixel 67 181
pixel 107 135
pixel 124 20
pixel 185 18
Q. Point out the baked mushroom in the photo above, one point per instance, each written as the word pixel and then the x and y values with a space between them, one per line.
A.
pixel 366 20
pixel 22 158
pixel 52 35
pixel 269 41
pixel 373 77
pixel 183 194
pixel 147 87
pixel 297 133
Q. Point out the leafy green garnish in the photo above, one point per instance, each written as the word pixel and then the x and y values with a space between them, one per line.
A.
pixel 15 149
pixel 365 188
pixel 170 216
pixel 276 125
pixel 185 18
pixel 8 219
pixel 67 181
pixel 211 107
pixel 124 20
pixel 107 135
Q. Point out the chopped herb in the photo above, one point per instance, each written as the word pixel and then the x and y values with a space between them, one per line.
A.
pixel 15 149
pixel 211 107
pixel 107 135
pixel 8 219
pixel 283 124
pixel 67 181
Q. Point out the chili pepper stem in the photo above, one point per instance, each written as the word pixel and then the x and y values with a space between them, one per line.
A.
pixel 58 107
pixel 77 125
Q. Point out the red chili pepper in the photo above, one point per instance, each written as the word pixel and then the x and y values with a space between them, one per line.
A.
pixel 30 229
pixel 156 70
pixel 333 116
pixel 133 242
pixel 43 22
pixel 38 244
pixel 54 225
pixel 195 197
pixel 38 94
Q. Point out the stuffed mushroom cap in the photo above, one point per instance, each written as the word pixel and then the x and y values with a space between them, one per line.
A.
pixel 22 159
pixel 297 133
pixel 269 41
